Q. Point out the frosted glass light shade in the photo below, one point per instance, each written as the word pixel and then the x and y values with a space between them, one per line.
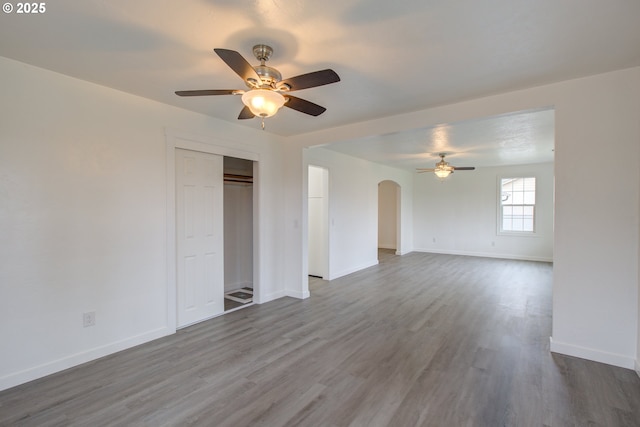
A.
pixel 263 102
pixel 442 173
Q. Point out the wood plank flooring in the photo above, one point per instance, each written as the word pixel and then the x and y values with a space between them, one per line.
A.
pixel 418 340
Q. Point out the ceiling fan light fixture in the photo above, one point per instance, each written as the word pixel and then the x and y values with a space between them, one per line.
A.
pixel 263 102
pixel 442 173
pixel 444 169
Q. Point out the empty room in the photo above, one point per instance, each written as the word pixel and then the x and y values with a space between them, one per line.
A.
pixel 324 214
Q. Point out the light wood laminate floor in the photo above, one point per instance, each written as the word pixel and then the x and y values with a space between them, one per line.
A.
pixel 419 340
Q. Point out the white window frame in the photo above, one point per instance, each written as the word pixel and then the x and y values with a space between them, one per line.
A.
pixel 500 230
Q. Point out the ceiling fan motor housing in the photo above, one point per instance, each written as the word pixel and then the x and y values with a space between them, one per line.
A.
pixel 269 75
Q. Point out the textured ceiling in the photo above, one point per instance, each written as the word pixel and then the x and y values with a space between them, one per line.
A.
pixel 392 57
pixel 519 138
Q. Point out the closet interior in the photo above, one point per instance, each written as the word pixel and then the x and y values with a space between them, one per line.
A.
pixel 238 233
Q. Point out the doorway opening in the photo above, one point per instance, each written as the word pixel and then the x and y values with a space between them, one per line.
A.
pixel 389 210
pixel 318 222
pixel 238 233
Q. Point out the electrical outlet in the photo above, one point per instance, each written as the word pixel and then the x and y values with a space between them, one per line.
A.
pixel 89 319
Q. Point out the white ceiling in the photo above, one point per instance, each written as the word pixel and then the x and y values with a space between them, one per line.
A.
pixel 392 57
pixel 524 137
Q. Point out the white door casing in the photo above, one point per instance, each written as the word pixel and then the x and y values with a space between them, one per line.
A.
pixel 199 236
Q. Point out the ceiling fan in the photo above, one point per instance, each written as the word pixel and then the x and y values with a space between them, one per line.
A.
pixel 267 91
pixel 444 169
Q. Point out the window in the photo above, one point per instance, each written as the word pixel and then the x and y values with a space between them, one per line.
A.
pixel 517 204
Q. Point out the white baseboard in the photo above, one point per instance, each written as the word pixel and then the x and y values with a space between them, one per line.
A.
pixel 298 294
pixel 49 368
pixel 485 254
pixel 271 297
pixel 333 276
pixel 592 354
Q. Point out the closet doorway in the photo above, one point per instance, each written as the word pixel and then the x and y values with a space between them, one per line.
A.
pixel 238 233
pixel 214 235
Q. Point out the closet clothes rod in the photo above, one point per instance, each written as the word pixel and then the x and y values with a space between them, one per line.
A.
pixel 238 178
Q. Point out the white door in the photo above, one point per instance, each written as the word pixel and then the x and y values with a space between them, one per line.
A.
pixel 199 236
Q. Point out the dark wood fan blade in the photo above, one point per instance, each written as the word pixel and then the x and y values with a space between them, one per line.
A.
pixel 207 92
pixel 317 78
pixel 237 63
pixel 246 114
pixel 466 168
pixel 303 106
pixel 421 170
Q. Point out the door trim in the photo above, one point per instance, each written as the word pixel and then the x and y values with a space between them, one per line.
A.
pixel 176 139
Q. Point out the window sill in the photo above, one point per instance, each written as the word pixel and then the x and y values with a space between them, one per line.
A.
pixel 518 233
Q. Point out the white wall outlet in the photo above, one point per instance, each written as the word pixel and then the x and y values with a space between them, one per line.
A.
pixel 89 319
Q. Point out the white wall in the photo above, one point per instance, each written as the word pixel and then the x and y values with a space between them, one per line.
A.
pixel 294 215
pixel 387 214
pixel 83 208
pixel 595 296
pixel 459 215
pixel 596 270
pixel 353 209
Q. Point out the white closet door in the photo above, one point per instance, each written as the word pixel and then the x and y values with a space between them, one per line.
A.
pixel 199 239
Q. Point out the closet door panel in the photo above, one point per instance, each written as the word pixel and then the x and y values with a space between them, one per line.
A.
pixel 199 236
